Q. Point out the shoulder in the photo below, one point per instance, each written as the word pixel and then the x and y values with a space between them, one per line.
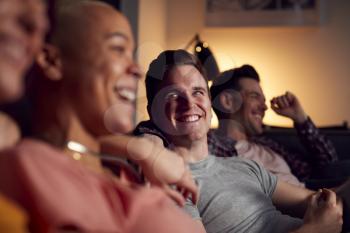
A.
pixel 148 127
pixel 221 146
pixel 213 134
pixel 31 156
pixel 33 147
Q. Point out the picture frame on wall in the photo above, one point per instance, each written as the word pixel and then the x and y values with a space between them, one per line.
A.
pixel 245 13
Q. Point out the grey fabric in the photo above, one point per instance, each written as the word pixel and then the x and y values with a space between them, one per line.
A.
pixel 235 196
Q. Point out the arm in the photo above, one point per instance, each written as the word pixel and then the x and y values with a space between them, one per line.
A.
pixel 291 199
pixel 321 211
pixel 320 149
pixel 318 145
pixel 160 166
pixel 148 128
pixel 200 226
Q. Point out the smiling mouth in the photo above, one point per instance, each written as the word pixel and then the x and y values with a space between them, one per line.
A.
pixel 258 116
pixel 189 118
pixel 126 94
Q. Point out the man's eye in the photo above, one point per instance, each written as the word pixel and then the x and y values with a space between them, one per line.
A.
pixel 171 96
pixel 254 96
pixel 198 93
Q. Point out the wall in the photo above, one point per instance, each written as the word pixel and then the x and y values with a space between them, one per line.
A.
pixel 151 41
pixel 312 62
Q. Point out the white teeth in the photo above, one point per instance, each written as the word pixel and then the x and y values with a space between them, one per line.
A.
pixel 258 116
pixel 191 118
pixel 127 94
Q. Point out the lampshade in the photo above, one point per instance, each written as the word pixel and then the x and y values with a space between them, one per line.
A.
pixel 206 57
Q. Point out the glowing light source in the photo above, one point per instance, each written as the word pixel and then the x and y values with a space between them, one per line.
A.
pixel 198 49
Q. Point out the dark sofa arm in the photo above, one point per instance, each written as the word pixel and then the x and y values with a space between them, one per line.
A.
pixel 289 138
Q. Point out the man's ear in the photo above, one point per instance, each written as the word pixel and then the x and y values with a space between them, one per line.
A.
pixel 49 60
pixel 226 101
pixel 231 101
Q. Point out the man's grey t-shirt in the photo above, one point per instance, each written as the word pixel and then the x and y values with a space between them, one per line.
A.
pixel 235 196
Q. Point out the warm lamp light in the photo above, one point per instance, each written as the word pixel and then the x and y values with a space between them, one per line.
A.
pixel 205 56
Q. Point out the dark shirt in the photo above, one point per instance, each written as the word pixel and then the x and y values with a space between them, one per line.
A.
pixel 320 150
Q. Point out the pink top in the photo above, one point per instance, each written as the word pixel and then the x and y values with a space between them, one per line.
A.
pixel 57 191
pixel 267 158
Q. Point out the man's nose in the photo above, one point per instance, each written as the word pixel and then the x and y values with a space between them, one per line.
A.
pixel 186 101
pixel 264 106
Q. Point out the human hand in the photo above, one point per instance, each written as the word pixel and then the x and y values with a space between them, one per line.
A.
pixel 181 190
pixel 289 106
pixel 160 166
pixel 324 213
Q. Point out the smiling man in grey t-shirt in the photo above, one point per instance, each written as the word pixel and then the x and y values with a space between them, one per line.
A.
pixel 236 195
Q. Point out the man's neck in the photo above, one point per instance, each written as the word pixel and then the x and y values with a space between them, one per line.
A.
pixel 193 151
pixel 232 129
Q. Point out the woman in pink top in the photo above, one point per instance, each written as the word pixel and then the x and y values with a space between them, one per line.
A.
pixel 84 90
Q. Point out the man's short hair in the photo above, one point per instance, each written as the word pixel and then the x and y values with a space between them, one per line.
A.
pixel 159 68
pixel 229 80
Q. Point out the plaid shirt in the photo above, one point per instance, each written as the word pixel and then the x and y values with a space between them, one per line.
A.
pixel 218 145
pixel 320 150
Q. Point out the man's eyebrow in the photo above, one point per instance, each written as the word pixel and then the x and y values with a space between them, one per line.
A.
pixel 199 89
pixel 253 92
pixel 117 34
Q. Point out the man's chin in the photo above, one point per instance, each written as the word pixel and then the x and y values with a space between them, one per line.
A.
pixel 259 131
pixel 194 135
pixel 255 131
